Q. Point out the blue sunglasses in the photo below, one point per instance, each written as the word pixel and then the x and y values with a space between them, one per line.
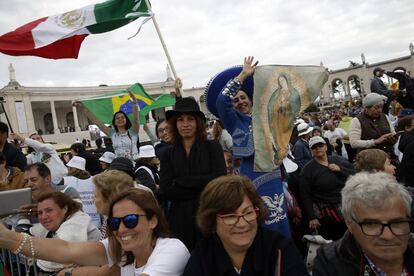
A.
pixel 130 221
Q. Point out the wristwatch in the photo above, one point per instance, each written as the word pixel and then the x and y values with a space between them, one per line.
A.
pixel 69 272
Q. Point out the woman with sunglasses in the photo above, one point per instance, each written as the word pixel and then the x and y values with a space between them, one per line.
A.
pixel 230 215
pixel 138 241
pixel 321 182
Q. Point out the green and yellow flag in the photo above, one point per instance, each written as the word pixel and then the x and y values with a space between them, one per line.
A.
pixel 104 107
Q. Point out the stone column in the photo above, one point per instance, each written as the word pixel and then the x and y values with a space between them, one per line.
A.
pixel 75 118
pixel 29 115
pixel 54 118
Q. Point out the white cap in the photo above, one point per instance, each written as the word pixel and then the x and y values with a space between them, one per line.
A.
pixel 299 121
pixel 316 140
pixel 77 162
pixel 107 157
pixel 304 128
pixel 146 151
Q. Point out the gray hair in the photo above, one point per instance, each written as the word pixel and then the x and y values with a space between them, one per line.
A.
pixel 372 190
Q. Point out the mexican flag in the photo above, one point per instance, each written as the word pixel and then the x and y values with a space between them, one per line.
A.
pixel 104 107
pixel 60 36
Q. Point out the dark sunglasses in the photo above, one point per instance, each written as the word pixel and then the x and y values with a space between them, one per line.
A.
pixel 318 145
pixel 130 221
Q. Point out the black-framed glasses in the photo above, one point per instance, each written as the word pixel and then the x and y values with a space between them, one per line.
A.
pixel 318 145
pixel 233 219
pixel 162 130
pixel 376 228
pixel 130 221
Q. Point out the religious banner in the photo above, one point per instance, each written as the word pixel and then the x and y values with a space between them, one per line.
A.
pixel 280 93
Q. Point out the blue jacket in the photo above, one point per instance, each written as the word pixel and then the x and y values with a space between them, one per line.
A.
pixel 302 153
pixel 268 184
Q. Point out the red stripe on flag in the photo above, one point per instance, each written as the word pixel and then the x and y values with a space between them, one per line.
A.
pixel 64 48
pixel 21 38
pixel 20 43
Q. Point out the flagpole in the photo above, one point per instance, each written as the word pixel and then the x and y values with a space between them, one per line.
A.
pixel 163 43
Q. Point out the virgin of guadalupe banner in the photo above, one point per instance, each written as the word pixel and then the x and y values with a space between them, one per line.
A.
pixel 280 93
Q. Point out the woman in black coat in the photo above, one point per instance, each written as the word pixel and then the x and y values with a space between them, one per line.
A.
pixel 187 167
pixel 321 182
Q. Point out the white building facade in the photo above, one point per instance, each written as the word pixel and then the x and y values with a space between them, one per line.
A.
pixel 49 110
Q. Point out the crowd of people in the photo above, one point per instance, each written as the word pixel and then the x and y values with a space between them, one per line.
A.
pixel 190 202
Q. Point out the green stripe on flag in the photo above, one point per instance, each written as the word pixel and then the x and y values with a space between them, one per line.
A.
pixel 163 100
pixel 113 14
pixel 104 106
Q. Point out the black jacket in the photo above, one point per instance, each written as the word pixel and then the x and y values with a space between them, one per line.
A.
pixel 92 163
pixel 14 157
pixel 318 184
pixel 345 258
pixel 160 148
pixel 269 251
pixel 182 179
pixel 147 176
pixel 406 168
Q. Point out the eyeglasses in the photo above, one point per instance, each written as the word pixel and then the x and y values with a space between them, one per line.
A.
pixel 130 221
pixel 373 228
pixel 233 219
pixel 316 146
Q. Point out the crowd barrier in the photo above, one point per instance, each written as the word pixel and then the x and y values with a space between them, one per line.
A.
pixel 16 265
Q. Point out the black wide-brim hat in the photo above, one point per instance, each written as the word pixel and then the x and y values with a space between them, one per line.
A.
pixel 186 105
pixel 123 164
pixel 217 83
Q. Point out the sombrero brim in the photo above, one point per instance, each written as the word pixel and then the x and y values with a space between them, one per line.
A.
pixel 217 83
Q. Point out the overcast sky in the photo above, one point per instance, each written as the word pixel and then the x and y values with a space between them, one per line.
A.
pixel 204 37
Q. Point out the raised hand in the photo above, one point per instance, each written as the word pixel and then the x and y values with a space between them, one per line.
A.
pixel 248 68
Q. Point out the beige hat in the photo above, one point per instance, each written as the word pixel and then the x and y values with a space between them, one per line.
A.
pixel 373 99
pixel 77 162
pixel 304 128
pixel 316 140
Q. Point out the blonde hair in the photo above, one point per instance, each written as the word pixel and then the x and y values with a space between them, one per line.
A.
pixel 112 182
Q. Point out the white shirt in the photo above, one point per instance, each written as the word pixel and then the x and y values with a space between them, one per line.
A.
pixel 86 190
pixel 57 169
pixel 337 133
pixel 168 258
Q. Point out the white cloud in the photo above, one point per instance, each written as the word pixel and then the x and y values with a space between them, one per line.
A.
pixel 204 37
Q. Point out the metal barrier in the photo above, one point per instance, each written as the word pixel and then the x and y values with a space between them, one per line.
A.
pixel 17 264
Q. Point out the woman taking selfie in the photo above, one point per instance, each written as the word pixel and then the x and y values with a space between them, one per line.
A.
pixel 138 241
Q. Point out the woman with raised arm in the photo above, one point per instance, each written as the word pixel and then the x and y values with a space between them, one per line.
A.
pixel 124 134
pixel 138 241
pixel 229 96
